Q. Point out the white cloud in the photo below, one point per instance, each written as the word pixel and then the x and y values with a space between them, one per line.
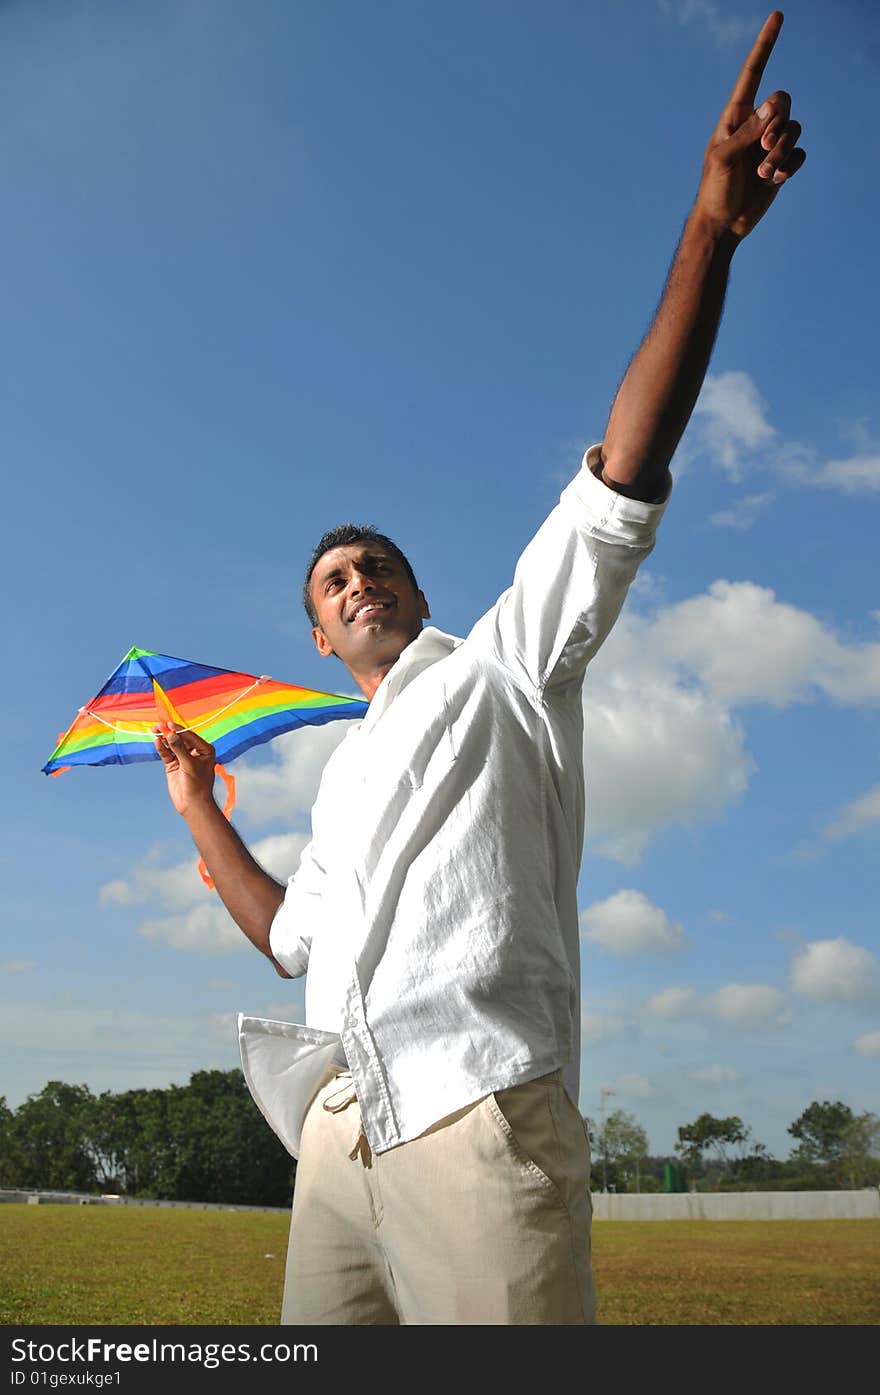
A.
pixel 742 1005
pixel 749 1005
pixel 672 1002
pixel 285 790
pixel 857 475
pixel 596 1027
pixel 663 746
pixel 868 1044
pixel 17 966
pixel 279 854
pixel 729 422
pixel 742 515
pixel 180 886
pixel 201 921
pixel 856 816
pixel 628 924
pixel 746 646
pixel 206 928
pixel 635 1086
pixel 731 429
pixel 676 759
pixel 170 887
pixel 837 971
pixel 724 29
pixel 715 1075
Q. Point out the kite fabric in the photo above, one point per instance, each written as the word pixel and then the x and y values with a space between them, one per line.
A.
pixel 232 711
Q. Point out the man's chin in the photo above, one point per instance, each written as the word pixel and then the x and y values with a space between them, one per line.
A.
pixel 382 642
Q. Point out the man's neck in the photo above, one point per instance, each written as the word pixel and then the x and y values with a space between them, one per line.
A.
pixel 370 680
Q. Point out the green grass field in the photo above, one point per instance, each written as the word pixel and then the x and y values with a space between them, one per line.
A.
pixel 95 1264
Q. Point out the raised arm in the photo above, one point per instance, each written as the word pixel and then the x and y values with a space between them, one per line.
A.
pixel 749 157
pixel 250 895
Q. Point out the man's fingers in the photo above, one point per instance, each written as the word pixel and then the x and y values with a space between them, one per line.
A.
pixel 165 754
pixel 779 151
pixel 751 131
pixel 749 80
pixel 790 165
pixel 183 744
pixel 781 104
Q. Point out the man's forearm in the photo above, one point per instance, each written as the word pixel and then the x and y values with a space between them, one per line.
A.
pixel 249 894
pixel 657 395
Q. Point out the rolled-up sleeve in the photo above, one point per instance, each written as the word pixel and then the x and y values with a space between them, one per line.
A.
pixel 295 921
pixel 572 580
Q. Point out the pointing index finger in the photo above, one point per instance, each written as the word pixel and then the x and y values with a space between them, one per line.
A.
pixel 746 86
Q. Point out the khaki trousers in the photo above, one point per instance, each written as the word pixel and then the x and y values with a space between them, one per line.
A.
pixel 485 1218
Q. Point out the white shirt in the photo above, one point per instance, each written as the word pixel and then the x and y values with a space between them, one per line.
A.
pixel 435 907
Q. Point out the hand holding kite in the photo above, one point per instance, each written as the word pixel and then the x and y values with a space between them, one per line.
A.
pixel 190 764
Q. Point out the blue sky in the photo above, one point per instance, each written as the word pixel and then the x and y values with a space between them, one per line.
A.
pixel 274 266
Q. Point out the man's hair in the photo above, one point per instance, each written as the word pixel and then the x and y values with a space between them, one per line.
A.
pixel 342 536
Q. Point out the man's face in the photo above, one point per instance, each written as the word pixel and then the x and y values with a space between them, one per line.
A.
pixel 368 609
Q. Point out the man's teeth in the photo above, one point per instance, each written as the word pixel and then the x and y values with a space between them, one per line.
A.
pixel 364 609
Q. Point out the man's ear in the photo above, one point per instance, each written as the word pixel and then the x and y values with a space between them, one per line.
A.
pixel 423 606
pixel 322 643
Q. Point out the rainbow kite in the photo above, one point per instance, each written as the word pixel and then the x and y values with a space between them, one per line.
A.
pixel 232 711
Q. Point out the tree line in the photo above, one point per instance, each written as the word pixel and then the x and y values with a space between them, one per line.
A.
pixel 834 1148
pixel 205 1141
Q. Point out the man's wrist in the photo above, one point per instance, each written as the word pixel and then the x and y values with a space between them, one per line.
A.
pixel 702 229
pixel 201 809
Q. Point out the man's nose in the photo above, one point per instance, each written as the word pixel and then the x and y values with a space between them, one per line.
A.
pixel 360 582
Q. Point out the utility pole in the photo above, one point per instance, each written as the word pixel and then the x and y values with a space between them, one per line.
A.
pixel 604 1092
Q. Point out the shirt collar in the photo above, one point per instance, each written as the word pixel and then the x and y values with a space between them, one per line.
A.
pixel 429 646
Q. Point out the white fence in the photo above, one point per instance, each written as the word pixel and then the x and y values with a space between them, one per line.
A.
pixel 737 1206
pixel 90 1199
pixel 607 1206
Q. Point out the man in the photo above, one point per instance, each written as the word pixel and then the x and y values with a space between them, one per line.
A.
pixel 431 1097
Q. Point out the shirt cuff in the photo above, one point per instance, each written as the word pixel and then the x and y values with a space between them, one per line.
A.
pixel 610 514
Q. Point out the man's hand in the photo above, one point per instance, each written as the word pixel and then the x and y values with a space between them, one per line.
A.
pixel 189 766
pixel 750 156
pixel 751 153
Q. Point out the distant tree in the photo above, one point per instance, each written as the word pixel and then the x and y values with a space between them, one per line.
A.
pixel 728 1143
pixel 205 1141
pixel 708 1134
pixel 243 1161
pixel 130 1144
pixel 49 1139
pixel 8 1151
pixel 821 1132
pixel 861 1159
pixel 625 1144
pixel 843 1144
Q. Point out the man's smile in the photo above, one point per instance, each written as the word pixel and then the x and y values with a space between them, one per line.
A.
pixel 365 608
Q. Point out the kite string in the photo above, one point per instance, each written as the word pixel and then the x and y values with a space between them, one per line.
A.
pixel 211 717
